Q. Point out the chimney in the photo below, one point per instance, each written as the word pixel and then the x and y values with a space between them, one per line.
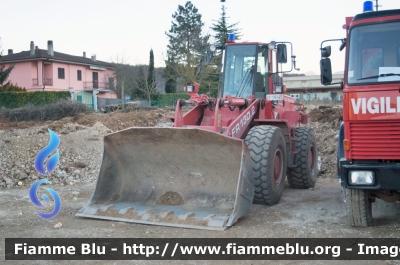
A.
pixel 50 50
pixel 10 51
pixel 84 54
pixel 32 49
pixel 94 57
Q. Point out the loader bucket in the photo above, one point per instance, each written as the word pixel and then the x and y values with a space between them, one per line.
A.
pixel 177 177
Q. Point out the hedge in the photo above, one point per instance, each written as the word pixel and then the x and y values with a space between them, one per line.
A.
pixel 13 99
pixel 169 99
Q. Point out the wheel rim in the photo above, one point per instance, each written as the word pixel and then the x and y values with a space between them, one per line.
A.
pixel 311 159
pixel 278 167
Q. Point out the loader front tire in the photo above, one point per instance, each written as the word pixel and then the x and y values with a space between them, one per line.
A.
pixel 304 175
pixel 269 159
pixel 359 207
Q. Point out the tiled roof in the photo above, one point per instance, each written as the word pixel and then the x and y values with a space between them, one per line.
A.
pixel 58 56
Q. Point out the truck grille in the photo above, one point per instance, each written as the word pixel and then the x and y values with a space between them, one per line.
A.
pixel 376 140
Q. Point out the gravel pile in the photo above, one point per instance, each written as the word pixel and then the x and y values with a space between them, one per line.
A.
pixel 80 151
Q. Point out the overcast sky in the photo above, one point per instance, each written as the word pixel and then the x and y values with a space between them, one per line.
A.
pixel 129 29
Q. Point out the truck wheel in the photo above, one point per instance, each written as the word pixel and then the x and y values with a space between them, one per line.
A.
pixel 359 207
pixel 268 155
pixel 305 174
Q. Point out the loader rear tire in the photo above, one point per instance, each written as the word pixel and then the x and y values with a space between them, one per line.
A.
pixel 359 207
pixel 268 155
pixel 304 175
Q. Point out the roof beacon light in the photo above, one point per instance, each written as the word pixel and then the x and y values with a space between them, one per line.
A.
pixel 368 6
pixel 231 37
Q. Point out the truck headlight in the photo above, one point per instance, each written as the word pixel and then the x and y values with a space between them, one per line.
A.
pixel 361 177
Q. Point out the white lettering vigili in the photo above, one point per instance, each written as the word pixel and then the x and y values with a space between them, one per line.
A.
pixel 374 105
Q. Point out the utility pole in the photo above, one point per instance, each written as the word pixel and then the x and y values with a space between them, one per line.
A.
pixel 123 94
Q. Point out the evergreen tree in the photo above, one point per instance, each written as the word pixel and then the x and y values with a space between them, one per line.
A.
pixel 151 76
pixel 222 28
pixel 185 42
pixel 170 76
pixel 4 73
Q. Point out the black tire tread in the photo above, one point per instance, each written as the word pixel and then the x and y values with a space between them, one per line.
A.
pixel 298 177
pixel 359 207
pixel 259 140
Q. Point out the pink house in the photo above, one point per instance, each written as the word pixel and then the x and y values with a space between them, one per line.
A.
pixel 47 70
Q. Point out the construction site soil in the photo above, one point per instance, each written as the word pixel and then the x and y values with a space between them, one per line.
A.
pixel 317 212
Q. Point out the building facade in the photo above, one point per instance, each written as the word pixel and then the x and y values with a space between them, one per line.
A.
pixel 310 87
pixel 47 70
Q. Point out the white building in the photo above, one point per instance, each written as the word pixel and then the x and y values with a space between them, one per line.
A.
pixel 310 87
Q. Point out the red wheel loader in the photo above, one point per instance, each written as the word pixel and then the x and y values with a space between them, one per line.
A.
pixel 369 137
pixel 219 157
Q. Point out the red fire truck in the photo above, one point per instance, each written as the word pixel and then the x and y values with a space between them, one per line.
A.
pixel 369 137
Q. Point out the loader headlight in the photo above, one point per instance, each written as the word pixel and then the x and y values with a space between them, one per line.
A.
pixel 189 88
pixel 361 177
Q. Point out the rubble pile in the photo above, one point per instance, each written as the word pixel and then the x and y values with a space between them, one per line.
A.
pixel 325 120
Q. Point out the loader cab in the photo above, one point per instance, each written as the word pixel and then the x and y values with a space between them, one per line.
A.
pixel 238 70
pixel 252 69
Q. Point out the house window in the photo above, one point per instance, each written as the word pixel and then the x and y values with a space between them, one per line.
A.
pixel 111 83
pixel 79 75
pixel 61 73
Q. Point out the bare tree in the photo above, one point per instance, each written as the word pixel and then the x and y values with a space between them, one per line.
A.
pixel 146 85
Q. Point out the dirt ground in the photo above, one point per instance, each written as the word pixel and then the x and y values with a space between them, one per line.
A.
pixel 313 213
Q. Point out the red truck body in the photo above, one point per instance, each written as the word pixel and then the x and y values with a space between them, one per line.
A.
pixel 369 137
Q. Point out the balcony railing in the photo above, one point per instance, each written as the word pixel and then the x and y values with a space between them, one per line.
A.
pixel 46 81
pixel 96 85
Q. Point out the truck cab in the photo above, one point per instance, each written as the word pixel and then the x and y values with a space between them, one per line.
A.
pixel 369 137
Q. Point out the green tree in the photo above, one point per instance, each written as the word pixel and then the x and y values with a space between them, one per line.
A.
pixel 151 76
pixel 170 76
pixel 185 43
pixel 222 28
pixel 4 73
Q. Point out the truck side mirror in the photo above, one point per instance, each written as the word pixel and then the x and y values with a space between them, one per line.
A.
pixel 282 53
pixel 326 71
pixel 326 51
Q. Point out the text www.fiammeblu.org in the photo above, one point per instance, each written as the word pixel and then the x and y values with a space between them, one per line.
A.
pixel 231 249
pixel 235 249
